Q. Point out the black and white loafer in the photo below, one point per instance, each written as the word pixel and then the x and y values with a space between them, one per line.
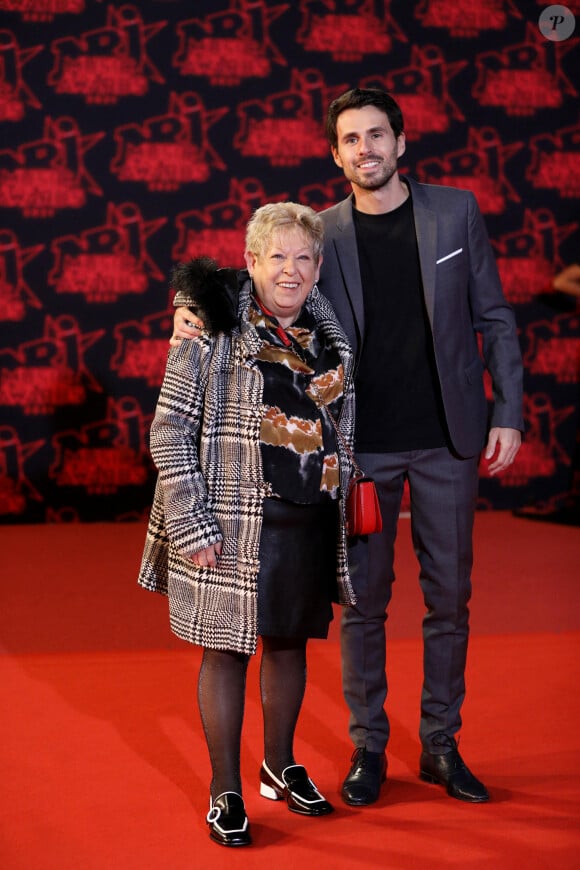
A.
pixel 227 820
pixel 296 788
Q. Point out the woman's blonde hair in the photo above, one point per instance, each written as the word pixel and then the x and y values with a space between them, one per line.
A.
pixel 280 216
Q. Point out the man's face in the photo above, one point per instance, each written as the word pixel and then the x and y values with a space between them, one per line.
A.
pixel 367 150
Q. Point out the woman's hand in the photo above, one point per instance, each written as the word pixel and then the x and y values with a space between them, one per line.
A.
pixel 185 325
pixel 208 557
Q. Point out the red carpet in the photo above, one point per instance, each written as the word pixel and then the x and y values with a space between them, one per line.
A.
pixel 104 765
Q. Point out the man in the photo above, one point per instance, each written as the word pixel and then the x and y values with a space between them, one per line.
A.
pixel 411 275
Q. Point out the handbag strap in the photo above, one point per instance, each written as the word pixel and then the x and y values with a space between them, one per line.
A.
pixel 320 401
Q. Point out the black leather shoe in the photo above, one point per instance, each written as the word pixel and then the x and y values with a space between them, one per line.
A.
pixel 296 788
pixel 362 785
pixel 227 820
pixel 450 770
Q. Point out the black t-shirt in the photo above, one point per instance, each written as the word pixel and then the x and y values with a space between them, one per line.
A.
pixel 398 400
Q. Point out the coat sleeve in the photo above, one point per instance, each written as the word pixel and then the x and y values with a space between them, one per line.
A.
pixel 174 440
pixel 493 318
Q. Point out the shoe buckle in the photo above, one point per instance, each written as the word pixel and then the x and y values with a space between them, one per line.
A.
pixel 213 815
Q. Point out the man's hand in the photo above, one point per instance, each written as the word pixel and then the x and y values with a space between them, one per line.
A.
pixel 502 446
pixel 185 325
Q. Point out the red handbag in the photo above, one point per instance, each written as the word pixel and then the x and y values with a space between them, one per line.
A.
pixel 363 512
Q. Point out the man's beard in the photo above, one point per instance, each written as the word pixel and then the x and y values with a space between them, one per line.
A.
pixel 377 180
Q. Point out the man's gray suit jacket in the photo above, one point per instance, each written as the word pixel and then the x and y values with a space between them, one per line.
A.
pixel 463 299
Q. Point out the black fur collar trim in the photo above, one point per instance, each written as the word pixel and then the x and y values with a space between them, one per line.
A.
pixel 214 291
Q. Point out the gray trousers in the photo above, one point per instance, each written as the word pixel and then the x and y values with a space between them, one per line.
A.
pixel 443 492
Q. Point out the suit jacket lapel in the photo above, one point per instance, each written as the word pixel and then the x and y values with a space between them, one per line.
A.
pixel 426 230
pixel 347 254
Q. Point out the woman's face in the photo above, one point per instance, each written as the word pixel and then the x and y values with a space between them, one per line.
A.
pixel 285 273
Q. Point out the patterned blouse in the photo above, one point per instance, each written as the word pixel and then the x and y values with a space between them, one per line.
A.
pixel 297 440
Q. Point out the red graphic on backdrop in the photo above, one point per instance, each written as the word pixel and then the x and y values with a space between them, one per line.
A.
pixel 524 77
pixel 108 63
pixel 43 10
pixel 464 18
pixel 141 348
pixel 487 384
pixel 555 161
pixel 286 127
pixel 15 94
pixel 15 487
pixel 422 90
pixel 15 294
pixel 168 151
pixel 218 230
pixel 108 261
pixel 43 375
pixel 104 456
pixel 62 515
pixel 542 421
pixel 554 348
pixel 480 168
pixel 348 29
pixel 321 196
pixel 528 258
pixel 90 262
pixel 229 46
pixel 45 176
pixel 572 5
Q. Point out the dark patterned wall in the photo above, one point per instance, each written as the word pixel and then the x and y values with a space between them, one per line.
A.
pixel 133 135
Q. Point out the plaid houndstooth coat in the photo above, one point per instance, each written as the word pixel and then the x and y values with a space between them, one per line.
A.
pixel 205 445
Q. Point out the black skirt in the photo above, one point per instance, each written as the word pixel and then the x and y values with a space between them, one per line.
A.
pixel 298 559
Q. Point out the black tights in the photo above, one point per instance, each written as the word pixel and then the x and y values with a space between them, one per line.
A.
pixel 221 693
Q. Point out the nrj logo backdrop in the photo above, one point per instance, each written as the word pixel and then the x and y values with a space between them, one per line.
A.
pixel 136 135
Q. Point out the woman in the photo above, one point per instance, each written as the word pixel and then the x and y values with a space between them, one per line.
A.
pixel 247 528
